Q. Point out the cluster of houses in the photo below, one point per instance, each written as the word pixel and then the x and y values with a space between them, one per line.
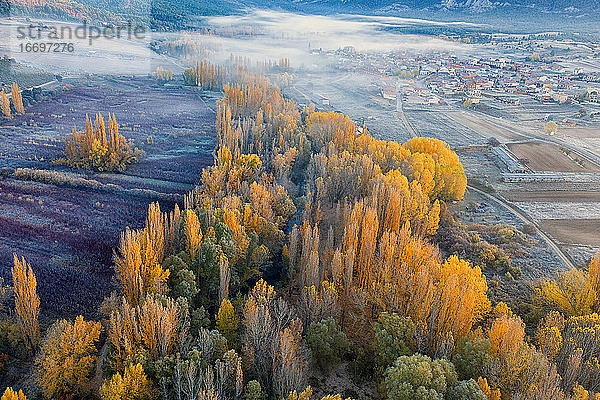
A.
pixel 509 80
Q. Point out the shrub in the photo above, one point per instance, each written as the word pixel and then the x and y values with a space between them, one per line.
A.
pixel 418 377
pixel 466 390
pixel 570 292
pixel 549 334
pixel 362 368
pixel 578 356
pixel 394 337
pixel 327 342
pixel 307 395
pixel 472 354
pixel 254 391
pixel 529 229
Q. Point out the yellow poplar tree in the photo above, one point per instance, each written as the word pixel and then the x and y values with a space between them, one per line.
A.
pixel 17 99
pixel 27 302
pixel 10 394
pixel 132 385
pixel 67 357
pixel 193 233
pixel 5 104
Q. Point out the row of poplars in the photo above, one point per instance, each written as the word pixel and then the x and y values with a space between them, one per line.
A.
pixel 16 101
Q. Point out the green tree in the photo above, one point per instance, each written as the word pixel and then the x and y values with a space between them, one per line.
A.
pixel 466 390
pixel 182 279
pixel 418 377
pixel 472 354
pixel 327 342
pixel 254 391
pixel 394 337
pixel 228 322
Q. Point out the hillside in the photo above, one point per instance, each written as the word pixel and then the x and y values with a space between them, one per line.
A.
pixel 172 14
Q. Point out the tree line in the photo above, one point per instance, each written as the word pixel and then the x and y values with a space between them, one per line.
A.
pixel 309 243
pixel 15 106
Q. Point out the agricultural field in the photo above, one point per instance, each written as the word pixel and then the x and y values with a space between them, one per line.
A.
pixel 552 195
pixel 574 231
pixel 549 157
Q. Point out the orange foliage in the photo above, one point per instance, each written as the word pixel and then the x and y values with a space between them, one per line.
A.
pixel 137 264
pixel 324 128
pixel 193 233
pixel 437 168
pixel 5 104
pixel 93 149
pixel 17 99
pixel 27 302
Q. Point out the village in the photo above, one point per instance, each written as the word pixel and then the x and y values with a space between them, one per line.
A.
pixel 523 113
pixel 544 71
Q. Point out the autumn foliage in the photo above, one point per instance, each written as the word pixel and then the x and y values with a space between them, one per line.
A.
pixel 17 99
pixel 5 104
pixel 27 302
pixel 97 149
pixel 132 385
pixel 574 293
pixel 10 394
pixel 162 74
pixel 67 358
pixel 344 226
pixel 155 326
pixel 138 261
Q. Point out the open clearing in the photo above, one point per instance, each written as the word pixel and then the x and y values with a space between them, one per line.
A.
pixel 551 196
pixel 548 157
pixel 575 231
pixel 68 232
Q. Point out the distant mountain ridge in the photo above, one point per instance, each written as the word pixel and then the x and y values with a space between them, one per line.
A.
pixel 177 14
pixel 571 7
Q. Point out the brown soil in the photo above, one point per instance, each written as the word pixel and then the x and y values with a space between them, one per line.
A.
pixel 580 132
pixel 581 231
pixel 548 157
pixel 551 196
